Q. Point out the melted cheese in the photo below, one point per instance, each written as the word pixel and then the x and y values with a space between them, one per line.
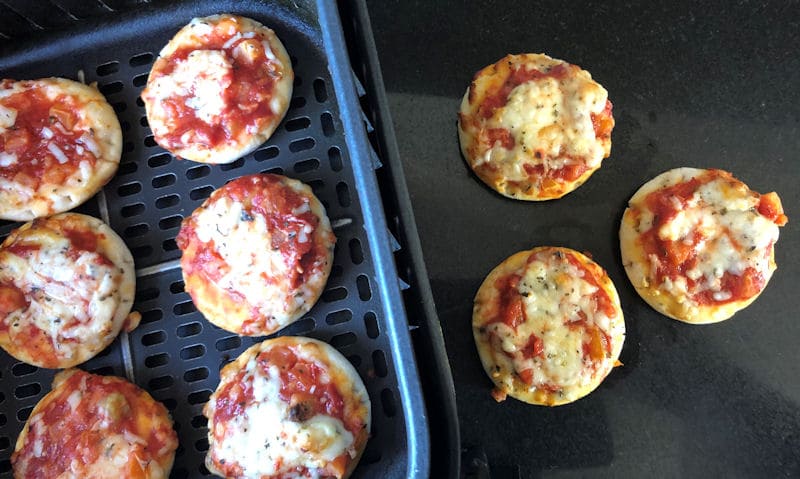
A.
pixel 7 159
pixel 264 441
pixel 8 116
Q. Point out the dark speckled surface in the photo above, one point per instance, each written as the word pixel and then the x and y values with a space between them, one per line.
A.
pixel 712 84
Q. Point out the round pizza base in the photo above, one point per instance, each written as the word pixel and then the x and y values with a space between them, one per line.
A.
pixel 490 78
pixel 502 376
pixel 97 118
pixel 234 313
pixel 247 141
pixel 110 245
pixel 158 466
pixel 352 387
pixel 636 264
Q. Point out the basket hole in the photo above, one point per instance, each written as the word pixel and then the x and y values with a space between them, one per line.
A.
pixel 201 445
pixel 171 404
pixel 23 369
pixel 156 360
pixel 156 337
pixel 192 352
pixel 190 329
pixel 169 245
pixel 141 59
pixel 335 294
pixel 233 165
pixel 306 165
pixel 139 102
pixel 24 413
pixel 335 158
pixel 183 308
pixel 170 222
pixel 343 340
pixel 146 294
pixel 371 324
pixel 143 121
pixel 298 102
pixel 379 363
pixel 4 443
pixel 364 290
pixel 150 141
pixel 127 168
pixel 136 230
pixel 119 107
pixel 161 382
pixel 201 193
pixel 129 189
pixel 199 422
pixel 27 390
pixel 356 254
pixel 226 344
pixel 387 403
pixel 132 210
pixel 151 316
pixel 339 317
pixel 320 90
pixel 142 251
pixel 164 180
pixel 343 194
pixel 267 153
pixel 327 124
pixel 196 374
pixel 176 287
pixel 199 397
pixel 277 170
pixel 371 455
pixel 355 360
pixel 111 88
pixel 140 80
pixel 161 159
pixel 3 419
pixel 302 145
pixel 167 201
pixel 107 68
pixel 198 172
pixel 297 124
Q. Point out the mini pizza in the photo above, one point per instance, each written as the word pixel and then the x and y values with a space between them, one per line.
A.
pixel 257 254
pixel 548 326
pixel 698 245
pixel 93 426
pixel 67 284
pixel 287 407
pixel 534 128
pixel 218 89
pixel 60 142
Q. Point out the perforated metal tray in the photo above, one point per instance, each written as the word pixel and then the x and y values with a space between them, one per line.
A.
pixel 175 353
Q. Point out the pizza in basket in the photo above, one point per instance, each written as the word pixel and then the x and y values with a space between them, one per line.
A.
pixel 67 285
pixel 218 89
pixel 548 326
pixel 100 427
pixel 699 245
pixel 60 142
pixel 257 253
pixel 287 407
pixel 534 128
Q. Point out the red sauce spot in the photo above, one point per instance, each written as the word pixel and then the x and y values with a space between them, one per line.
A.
pixel 84 240
pixel 11 299
pixel 535 347
pixel 570 172
pixel 246 91
pixel 23 250
pixel 510 309
pixel 25 139
pixel 745 286
pixel 501 135
pixel 769 206
pixel 603 122
pixel 517 77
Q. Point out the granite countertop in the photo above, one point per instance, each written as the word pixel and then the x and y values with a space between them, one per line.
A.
pixel 711 84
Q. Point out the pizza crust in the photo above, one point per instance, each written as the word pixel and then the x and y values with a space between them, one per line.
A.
pixel 543 136
pixel 734 198
pixel 77 305
pixel 113 449
pixel 547 321
pixel 203 82
pixel 337 369
pixel 20 198
pixel 255 295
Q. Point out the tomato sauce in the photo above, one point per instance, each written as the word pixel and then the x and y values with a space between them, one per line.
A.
pixel 246 92
pixel 27 141
pixel 518 76
pixel 603 122
pixel 600 297
pixel 570 172
pixel 510 309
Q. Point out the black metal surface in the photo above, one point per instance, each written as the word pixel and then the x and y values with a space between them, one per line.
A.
pixel 703 84
pixel 175 354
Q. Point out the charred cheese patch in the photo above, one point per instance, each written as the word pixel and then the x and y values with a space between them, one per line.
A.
pixel 548 326
pixel 256 290
pixel 698 245
pixel 95 426
pixel 533 127
pixel 287 407
pixel 60 142
pixel 218 89
pixel 66 286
